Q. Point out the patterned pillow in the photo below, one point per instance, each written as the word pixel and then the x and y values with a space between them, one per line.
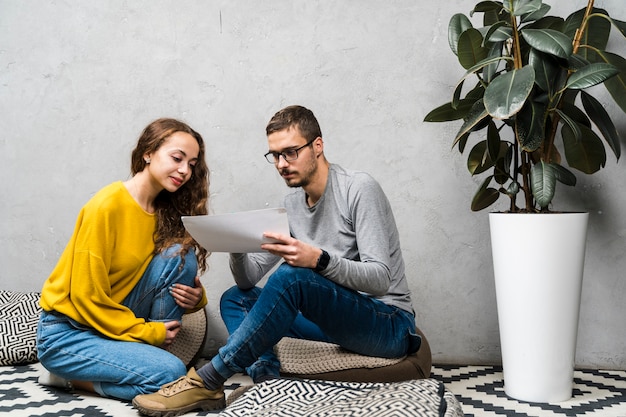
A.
pixel 314 398
pixel 19 314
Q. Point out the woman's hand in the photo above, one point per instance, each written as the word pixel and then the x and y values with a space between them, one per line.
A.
pixel 185 296
pixel 171 330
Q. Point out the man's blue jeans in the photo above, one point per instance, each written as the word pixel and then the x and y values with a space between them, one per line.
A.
pixel 120 369
pixel 298 302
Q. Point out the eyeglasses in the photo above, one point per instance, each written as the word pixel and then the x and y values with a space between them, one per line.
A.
pixel 288 155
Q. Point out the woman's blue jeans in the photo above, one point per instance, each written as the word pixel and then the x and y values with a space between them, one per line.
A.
pixel 121 369
pixel 298 302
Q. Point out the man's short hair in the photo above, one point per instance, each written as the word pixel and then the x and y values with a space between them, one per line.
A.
pixel 296 116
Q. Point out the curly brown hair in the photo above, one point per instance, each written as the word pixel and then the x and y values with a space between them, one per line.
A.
pixel 189 200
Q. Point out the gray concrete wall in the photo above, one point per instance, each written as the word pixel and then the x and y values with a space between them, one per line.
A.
pixel 79 81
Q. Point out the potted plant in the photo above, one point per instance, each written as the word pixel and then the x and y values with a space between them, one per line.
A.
pixel 533 123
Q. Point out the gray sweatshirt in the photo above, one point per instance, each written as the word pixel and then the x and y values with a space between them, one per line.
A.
pixel 354 223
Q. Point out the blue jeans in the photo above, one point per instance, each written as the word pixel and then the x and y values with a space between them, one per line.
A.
pixel 121 369
pixel 298 302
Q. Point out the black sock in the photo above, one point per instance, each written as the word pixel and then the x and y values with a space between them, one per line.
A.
pixel 211 378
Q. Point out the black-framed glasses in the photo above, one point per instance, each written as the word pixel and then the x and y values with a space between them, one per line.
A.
pixel 288 155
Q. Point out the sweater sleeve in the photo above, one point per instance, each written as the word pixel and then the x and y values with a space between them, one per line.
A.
pixel 106 256
pixel 92 299
pixel 249 268
pixel 370 214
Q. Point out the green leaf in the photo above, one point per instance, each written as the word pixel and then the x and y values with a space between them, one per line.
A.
pixel 549 41
pixel 471 49
pixel 575 113
pixel 507 93
pixel 502 166
pixel 587 154
pixel 530 126
pixel 546 70
pixel 603 121
pixel 620 25
pixel 459 23
pixel 571 123
pixel 543 183
pixel 577 61
pixel 498 32
pixel 521 7
pixel 485 196
pixel 463 141
pixel 513 188
pixel 478 160
pixel 591 75
pixel 596 34
pixel 492 12
pixel 476 114
pixel 548 22
pixel 477 92
pixel 537 14
pixel 456 96
pixel 489 72
pixel 616 86
pixel 564 175
pixel 493 140
pixel 447 113
pixel 490 60
pixel 487 6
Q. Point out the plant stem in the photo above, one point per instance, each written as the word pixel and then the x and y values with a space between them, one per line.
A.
pixel 555 119
pixel 517 51
pixel 528 195
pixel 583 26
pixel 517 64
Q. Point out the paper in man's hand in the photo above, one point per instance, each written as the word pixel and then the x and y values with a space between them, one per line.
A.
pixel 240 232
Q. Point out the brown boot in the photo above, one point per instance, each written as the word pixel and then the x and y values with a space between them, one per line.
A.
pixel 185 394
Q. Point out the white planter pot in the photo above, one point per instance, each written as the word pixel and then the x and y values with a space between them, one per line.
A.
pixel 538 264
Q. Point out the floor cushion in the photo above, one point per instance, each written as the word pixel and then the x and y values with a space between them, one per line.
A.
pixel 315 398
pixel 19 315
pixel 190 339
pixel 324 361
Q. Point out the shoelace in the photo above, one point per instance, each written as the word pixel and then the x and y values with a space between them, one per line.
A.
pixel 178 385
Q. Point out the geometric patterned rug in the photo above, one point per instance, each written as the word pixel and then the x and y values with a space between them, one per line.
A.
pixel 479 389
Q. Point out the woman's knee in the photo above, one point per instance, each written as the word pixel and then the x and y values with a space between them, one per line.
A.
pixel 171 370
pixel 186 266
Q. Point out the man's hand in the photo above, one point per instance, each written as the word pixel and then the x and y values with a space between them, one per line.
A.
pixel 185 296
pixel 293 251
pixel 171 330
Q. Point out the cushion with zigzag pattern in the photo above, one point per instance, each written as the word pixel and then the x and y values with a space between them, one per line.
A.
pixel 19 315
pixel 316 398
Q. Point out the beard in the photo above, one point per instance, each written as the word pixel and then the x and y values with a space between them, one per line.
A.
pixel 301 180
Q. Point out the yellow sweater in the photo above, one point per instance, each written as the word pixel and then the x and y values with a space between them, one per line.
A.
pixel 106 256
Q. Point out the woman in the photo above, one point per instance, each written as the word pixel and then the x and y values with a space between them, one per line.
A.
pixel 115 300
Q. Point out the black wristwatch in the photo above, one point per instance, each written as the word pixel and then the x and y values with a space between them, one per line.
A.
pixel 322 261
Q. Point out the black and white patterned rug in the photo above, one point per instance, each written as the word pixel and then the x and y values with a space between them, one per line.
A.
pixel 478 388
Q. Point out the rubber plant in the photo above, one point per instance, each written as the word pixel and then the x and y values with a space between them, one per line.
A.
pixel 529 115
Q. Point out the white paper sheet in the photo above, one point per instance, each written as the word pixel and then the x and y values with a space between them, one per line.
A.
pixel 240 232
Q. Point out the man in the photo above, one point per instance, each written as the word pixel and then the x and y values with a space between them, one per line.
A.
pixel 341 279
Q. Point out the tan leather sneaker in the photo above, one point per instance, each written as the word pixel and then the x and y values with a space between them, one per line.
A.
pixel 185 394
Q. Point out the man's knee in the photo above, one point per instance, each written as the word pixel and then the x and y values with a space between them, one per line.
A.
pixel 292 276
pixel 239 297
